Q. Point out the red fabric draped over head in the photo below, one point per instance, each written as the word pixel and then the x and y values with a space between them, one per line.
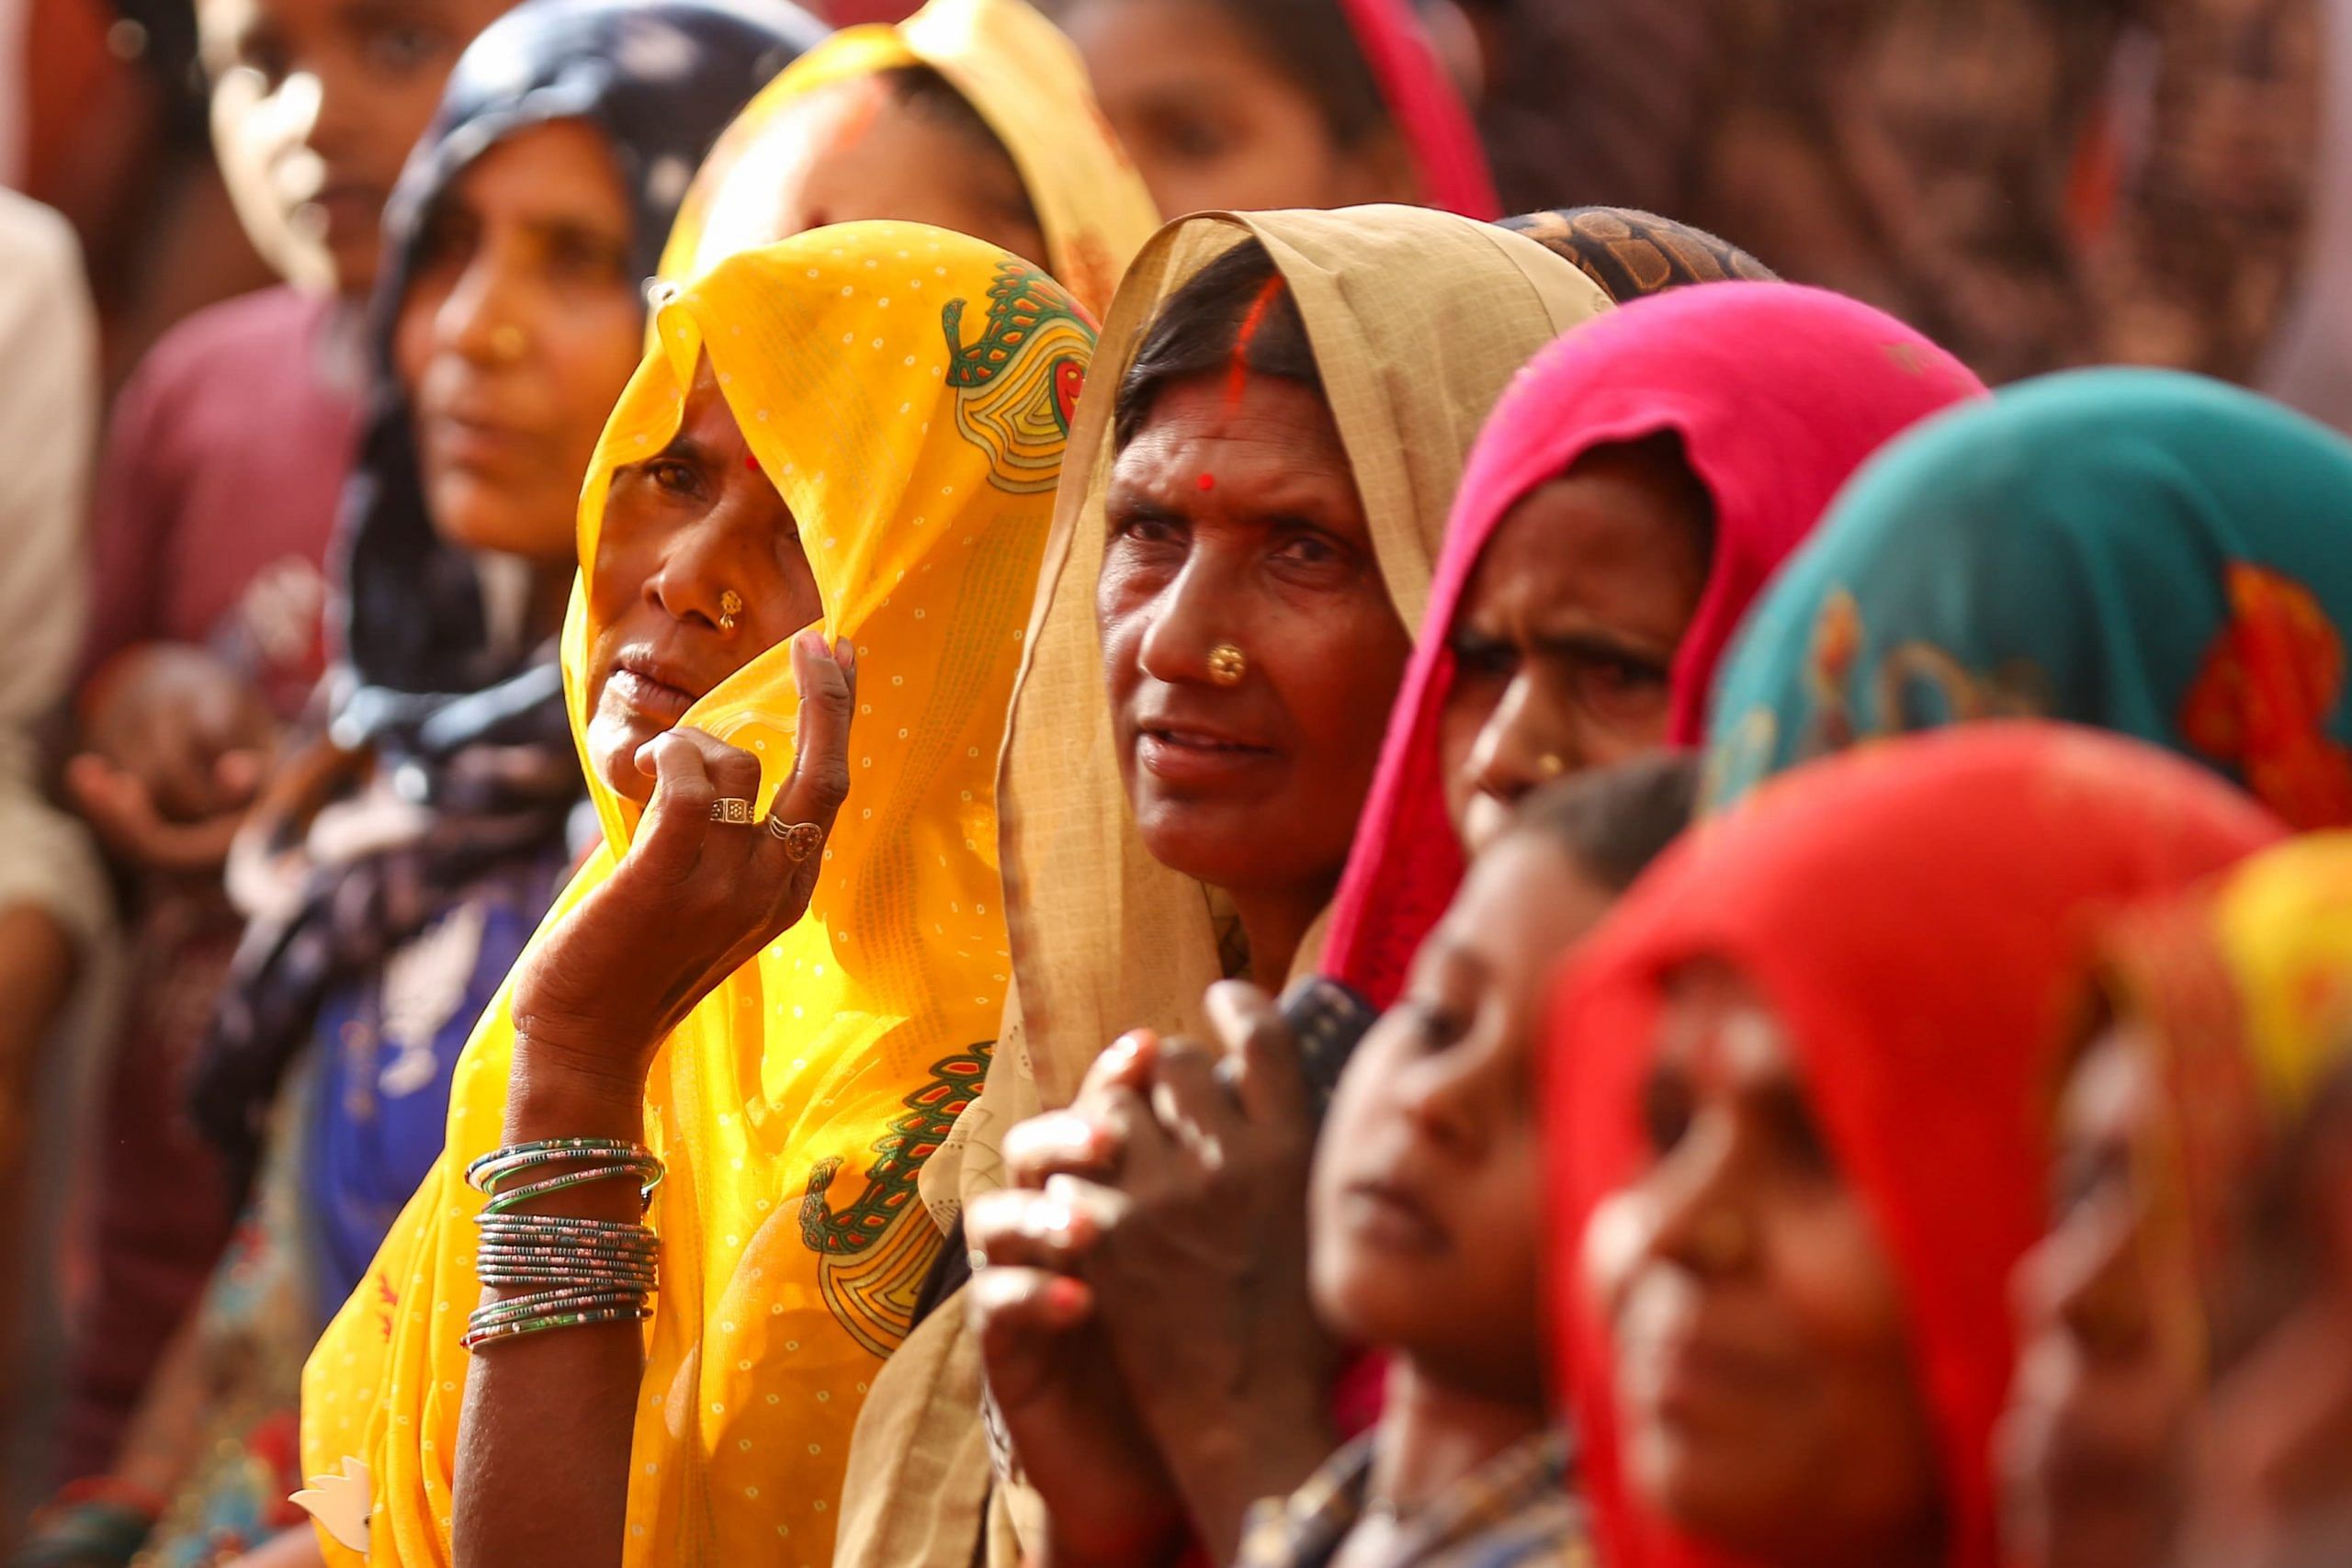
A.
pixel 1425 105
pixel 1778 392
pixel 1921 915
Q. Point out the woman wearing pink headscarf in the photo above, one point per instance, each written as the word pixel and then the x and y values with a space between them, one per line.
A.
pixel 1249 105
pixel 1628 500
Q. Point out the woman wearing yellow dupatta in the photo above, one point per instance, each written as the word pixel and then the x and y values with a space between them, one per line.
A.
pixel 890 402
pixel 1408 323
pixel 895 121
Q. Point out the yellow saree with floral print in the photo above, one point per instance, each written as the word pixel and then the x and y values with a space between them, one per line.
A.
pixel 909 392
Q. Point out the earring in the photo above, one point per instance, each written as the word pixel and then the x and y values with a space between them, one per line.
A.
pixel 1227 664
pixel 730 604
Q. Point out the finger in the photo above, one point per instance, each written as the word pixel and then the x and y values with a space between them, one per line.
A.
pixel 1017 1315
pixel 819 780
pixel 1126 1061
pixel 1270 1079
pixel 1029 1230
pixel 1186 1092
pixel 1145 1148
pixel 1083 1213
pixel 1059 1142
pixel 677 820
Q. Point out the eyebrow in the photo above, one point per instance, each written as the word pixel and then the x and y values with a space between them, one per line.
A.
pixel 1600 645
pixel 684 448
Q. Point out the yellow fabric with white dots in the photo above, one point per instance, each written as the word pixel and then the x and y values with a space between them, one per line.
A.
pixel 904 389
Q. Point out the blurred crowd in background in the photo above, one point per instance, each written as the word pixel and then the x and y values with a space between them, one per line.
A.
pixel 288 777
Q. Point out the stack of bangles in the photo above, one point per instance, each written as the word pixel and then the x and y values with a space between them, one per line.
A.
pixel 575 1272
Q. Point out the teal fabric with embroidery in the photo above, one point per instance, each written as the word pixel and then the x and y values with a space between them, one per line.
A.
pixel 2142 551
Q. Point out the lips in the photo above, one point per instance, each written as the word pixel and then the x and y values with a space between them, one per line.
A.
pixel 1390 1216
pixel 347 209
pixel 658 688
pixel 1189 753
pixel 466 439
pixel 1696 1376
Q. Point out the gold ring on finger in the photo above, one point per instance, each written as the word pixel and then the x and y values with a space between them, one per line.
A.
pixel 732 811
pixel 801 840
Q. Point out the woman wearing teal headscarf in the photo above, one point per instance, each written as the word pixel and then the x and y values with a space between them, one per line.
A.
pixel 2143 551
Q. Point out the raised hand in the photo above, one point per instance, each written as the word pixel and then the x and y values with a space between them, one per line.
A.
pixel 695 897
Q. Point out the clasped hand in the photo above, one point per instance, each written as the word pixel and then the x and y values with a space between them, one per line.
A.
pixel 1142 1307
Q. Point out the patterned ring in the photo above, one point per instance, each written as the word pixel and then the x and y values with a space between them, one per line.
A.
pixel 732 811
pixel 801 840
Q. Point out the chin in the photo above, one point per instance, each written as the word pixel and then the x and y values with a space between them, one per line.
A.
pixel 613 742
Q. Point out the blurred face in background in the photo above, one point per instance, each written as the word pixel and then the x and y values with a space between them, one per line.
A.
pixel 1766 1386
pixel 2112 1352
pixel 864 149
pixel 1214 120
pixel 521 326
pixel 315 105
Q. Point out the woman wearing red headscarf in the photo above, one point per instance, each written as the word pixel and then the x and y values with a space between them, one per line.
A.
pixel 1793 1131
pixel 1626 502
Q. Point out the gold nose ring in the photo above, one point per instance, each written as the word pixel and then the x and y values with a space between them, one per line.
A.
pixel 1227 664
pixel 507 343
pixel 730 604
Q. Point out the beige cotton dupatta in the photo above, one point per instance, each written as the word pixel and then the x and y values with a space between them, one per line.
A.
pixel 1417 319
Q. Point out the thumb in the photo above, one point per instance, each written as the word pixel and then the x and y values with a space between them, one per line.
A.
pixel 819 780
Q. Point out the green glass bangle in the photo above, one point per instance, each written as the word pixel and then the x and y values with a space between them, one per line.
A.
pixel 483 1174
pixel 475 1338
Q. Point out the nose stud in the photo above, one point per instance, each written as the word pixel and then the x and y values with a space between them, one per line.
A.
pixel 1227 664
pixel 730 604
pixel 507 343
pixel 1551 765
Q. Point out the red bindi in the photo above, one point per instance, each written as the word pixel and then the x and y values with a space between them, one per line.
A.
pixel 1207 482
pixel 752 461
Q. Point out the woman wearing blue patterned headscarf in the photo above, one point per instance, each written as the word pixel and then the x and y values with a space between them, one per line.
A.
pixel 2139 550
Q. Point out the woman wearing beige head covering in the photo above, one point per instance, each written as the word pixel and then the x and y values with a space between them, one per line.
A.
pixel 1173 579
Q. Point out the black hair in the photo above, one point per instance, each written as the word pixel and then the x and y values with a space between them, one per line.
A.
pixel 1199 329
pixel 1614 821
pixel 931 97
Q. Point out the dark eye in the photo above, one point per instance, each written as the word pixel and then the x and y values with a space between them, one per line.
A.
pixel 1621 686
pixel 1193 139
pixel 1665 1112
pixel 575 254
pixel 400 49
pixel 1479 658
pixel 673 477
pixel 1145 528
pixel 1435 1024
pixel 1788 1118
pixel 1309 549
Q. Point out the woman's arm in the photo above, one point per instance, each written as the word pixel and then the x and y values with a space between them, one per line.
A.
pixel 543 1444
